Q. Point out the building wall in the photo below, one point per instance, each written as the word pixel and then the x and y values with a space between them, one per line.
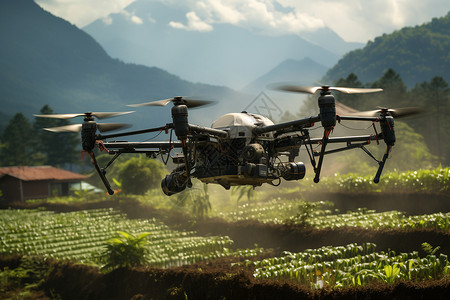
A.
pixel 10 187
pixel 35 189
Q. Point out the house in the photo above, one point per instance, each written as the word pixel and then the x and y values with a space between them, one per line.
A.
pixel 23 183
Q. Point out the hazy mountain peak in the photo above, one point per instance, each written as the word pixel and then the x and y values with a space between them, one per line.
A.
pixel 304 72
pixel 199 48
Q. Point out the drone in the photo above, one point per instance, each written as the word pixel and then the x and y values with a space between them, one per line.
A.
pixel 239 148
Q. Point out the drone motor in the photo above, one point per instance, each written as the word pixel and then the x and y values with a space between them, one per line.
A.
pixel 173 183
pixel 253 153
pixel 292 170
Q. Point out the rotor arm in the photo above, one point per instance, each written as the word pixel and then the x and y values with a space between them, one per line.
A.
pixel 346 139
pixel 215 132
pixel 142 145
pixel 356 118
pixel 166 127
pixel 307 122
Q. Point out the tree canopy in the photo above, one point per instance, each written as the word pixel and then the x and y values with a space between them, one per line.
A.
pixel 26 143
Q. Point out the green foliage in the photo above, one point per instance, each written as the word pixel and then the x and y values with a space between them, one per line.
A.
pixel 427 248
pixel 422 180
pixel 350 265
pixel 139 174
pixel 58 148
pixel 81 236
pixel 417 53
pixel 29 275
pixel 85 194
pixel 19 143
pixel 125 250
pixel 434 98
pixel 307 212
pixel 319 215
pixel 28 144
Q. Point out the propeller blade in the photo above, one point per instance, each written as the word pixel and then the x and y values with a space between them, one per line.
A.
pixel 104 115
pixel 368 113
pixel 66 128
pixel 60 116
pixel 103 127
pixel 99 115
pixel 191 103
pixel 295 88
pixel 404 112
pixel 153 103
pixel 313 89
pixel 395 112
pixel 355 90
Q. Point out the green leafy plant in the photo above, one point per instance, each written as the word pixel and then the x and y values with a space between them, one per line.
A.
pixel 125 250
pixel 428 249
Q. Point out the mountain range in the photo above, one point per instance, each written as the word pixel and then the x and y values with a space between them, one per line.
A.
pixel 228 55
pixel 46 60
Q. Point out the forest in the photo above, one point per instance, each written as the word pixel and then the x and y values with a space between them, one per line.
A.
pixel 417 53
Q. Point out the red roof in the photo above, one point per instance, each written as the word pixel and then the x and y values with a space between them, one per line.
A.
pixel 39 173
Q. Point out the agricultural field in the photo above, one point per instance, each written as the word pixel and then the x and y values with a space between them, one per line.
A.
pixel 81 236
pixel 321 215
pixel 350 265
pixel 256 246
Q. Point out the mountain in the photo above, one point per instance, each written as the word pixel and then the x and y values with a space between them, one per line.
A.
pixel 416 53
pixel 227 55
pixel 328 39
pixel 46 60
pixel 304 72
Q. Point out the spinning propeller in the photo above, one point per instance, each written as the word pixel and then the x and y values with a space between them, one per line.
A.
pixel 394 112
pixel 88 117
pixel 88 133
pixel 190 103
pixel 323 88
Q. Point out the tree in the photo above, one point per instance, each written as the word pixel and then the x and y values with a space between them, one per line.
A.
pixel 434 98
pixel 394 90
pixel 139 174
pixel 58 148
pixel 19 143
pixel 350 81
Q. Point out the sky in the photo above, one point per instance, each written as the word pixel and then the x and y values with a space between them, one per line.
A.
pixel 353 20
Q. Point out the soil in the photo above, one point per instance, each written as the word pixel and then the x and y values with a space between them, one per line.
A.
pixel 209 280
pixel 218 280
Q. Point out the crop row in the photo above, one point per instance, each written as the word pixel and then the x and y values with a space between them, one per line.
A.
pixel 423 180
pixel 82 235
pixel 350 265
pixel 319 215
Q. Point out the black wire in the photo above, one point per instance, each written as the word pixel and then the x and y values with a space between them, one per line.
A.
pixel 152 137
pixel 170 149
pixel 351 128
